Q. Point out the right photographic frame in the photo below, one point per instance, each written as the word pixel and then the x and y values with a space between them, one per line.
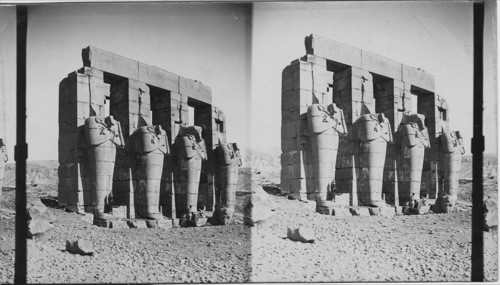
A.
pixel 374 139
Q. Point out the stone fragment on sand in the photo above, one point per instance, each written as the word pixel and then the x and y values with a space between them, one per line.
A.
pixel 81 246
pixel 37 227
pixel 490 213
pixel 258 207
pixel 302 234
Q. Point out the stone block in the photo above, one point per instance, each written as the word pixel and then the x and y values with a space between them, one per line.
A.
pixel 298 186
pixel 387 211
pixel 102 223
pixel 166 223
pixel 194 89
pixel 359 211
pixel 158 77
pixel 119 224
pixel 418 78
pixel 298 171
pixel 120 211
pixel 380 65
pixel 110 62
pixel 314 59
pixel 62 198
pixel 285 185
pixel 137 224
pixel 342 198
pixel 374 211
pixel 334 51
pixel 341 212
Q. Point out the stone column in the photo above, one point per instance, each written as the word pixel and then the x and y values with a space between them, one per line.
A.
pixel 353 93
pixel 372 132
pixel 392 98
pixel 148 144
pixel 304 82
pixel 453 149
pixel 130 105
pixel 102 137
pixel 229 160
pixel 325 124
pixel 81 95
pixel 414 140
pixel 192 152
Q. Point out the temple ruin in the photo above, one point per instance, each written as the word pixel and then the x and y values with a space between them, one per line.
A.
pixel 350 136
pixel 139 142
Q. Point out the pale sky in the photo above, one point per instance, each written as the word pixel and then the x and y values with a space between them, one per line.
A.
pixel 206 42
pixel 434 36
pixel 215 44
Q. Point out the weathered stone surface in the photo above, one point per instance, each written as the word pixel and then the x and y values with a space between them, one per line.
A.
pixel 490 213
pixel 36 210
pixel 302 234
pixel 81 246
pixel 37 227
pixel 195 89
pixel 110 62
pixel 87 217
pixel 359 211
pixel 380 65
pixel 387 211
pixel 165 223
pixel 258 206
pixel 332 50
pixel 119 224
pixel 417 77
pixel 40 219
pixel 137 224
pixel 158 77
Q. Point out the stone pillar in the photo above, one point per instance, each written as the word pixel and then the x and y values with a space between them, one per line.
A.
pixel 149 145
pixel 191 151
pixel 228 162
pixel 451 162
pixel 372 132
pixel 130 105
pixel 393 100
pixel 326 123
pixel 102 137
pixel 81 95
pixel 414 139
pixel 218 134
pixel 304 82
pixel 353 93
pixel 170 111
pixel 435 110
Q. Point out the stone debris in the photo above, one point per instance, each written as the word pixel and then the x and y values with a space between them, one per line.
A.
pixel 302 234
pixel 38 226
pixel 258 207
pixel 81 246
pixel 36 210
pixel 490 207
pixel 40 219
